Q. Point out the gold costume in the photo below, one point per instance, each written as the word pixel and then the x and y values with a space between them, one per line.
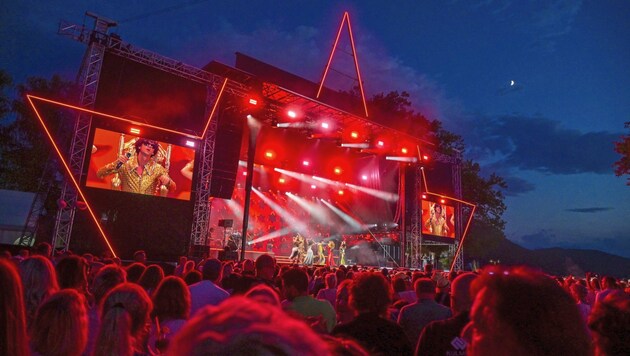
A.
pixel 130 180
pixel 437 225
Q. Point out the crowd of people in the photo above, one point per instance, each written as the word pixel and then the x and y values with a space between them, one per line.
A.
pixel 83 305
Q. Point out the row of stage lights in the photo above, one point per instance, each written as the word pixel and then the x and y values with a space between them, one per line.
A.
pixel 325 128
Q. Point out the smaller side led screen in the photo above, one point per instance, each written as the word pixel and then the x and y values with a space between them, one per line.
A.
pixel 438 219
pixel 140 165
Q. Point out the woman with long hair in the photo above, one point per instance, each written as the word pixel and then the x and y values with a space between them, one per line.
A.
pixel 125 321
pixel 39 281
pixel 331 257
pixel 13 339
pixel 171 310
pixel 60 326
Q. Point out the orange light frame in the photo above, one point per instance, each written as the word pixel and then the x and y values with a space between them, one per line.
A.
pixel 472 213
pixel 346 17
pixel 32 98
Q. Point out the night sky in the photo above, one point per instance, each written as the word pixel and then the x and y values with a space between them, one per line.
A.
pixel 539 90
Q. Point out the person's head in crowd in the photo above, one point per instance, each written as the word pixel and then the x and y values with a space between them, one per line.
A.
pixel 61 325
pixel 520 311
pixel 125 314
pixel 5 254
pixel 264 294
pixel 189 266
pixel 182 260
pixel 461 298
pixel 609 323
pixel 342 302
pixel 428 269
pixel 13 337
pixel 242 326
pixel 424 288
pixel 171 299
pixel 134 271
pixel 105 280
pixel 39 281
pixel 89 258
pixel 609 282
pixel 340 273
pixel 579 292
pixel 265 267
pixel 211 270
pixel 294 283
pixel 331 280
pixel 399 283
pixel 248 267
pixel 192 277
pixel 43 249
pixel 72 272
pixel 151 277
pixel 370 293
pixel 140 256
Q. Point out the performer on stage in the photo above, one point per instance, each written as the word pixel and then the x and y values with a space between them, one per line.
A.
pixel 342 253
pixel 437 221
pixel 140 173
pixel 308 260
pixel 321 259
pixel 295 251
pixel 331 257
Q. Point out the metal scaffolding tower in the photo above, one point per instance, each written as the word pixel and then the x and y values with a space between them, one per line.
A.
pixel 89 76
pixel 99 40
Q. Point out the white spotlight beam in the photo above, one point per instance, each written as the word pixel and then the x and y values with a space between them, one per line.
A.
pixel 236 208
pixel 387 196
pixel 402 159
pixel 356 225
pixel 285 215
pixel 315 211
pixel 270 236
pixel 299 176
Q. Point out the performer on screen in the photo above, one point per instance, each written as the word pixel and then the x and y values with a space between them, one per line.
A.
pixel 140 173
pixel 437 221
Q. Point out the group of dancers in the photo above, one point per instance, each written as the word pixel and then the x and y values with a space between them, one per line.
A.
pixel 302 252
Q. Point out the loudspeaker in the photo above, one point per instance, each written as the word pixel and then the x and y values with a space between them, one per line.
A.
pixel 227 151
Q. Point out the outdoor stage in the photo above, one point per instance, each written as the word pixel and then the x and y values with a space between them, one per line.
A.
pixel 275 154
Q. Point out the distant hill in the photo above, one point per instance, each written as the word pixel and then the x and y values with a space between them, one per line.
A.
pixel 556 261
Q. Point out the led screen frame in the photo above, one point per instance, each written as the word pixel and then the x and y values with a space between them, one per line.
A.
pixel 107 145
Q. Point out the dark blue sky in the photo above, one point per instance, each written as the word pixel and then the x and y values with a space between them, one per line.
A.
pixel 550 134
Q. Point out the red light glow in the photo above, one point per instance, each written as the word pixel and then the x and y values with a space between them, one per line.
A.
pixel 338 170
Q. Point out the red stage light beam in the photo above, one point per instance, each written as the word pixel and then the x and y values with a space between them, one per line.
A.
pixel 70 174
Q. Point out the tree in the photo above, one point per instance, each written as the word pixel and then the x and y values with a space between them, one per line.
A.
pixel 24 149
pixel 622 166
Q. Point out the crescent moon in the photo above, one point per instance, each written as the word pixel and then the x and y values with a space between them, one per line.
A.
pixel 511 83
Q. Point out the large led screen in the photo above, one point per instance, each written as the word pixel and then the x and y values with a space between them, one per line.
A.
pixel 151 167
pixel 438 219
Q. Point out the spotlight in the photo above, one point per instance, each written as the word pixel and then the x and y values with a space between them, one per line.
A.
pixel 134 131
